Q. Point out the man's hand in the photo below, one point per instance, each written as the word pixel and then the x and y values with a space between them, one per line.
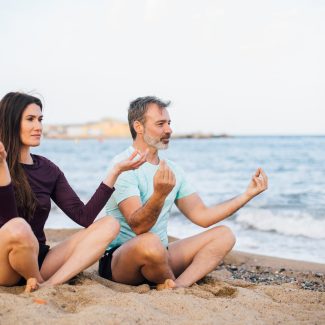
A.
pixel 258 184
pixel 141 218
pixel 3 153
pixel 164 180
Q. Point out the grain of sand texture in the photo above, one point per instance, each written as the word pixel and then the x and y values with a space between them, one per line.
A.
pixel 245 289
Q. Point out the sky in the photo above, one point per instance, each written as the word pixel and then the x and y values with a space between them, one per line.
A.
pixel 238 67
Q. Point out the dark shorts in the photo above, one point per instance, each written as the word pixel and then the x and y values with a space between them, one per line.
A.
pixel 43 250
pixel 105 264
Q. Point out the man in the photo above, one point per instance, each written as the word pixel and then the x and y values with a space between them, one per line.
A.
pixel 142 202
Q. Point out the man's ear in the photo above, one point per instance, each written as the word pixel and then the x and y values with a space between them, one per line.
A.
pixel 138 127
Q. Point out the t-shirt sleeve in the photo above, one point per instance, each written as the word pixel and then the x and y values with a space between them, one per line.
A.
pixel 126 186
pixel 69 202
pixel 186 188
pixel 8 208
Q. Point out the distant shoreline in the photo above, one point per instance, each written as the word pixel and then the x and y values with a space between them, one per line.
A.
pixel 178 136
pixel 189 136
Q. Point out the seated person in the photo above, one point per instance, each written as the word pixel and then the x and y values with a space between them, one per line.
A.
pixel 142 202
pixel 25 204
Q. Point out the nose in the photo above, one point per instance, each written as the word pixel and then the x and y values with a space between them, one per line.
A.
pixel 168 129
pixel 38 125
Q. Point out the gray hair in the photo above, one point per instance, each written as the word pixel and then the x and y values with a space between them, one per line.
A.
pixel 138 109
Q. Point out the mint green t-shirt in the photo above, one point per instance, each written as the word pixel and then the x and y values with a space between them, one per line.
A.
pixel 139 183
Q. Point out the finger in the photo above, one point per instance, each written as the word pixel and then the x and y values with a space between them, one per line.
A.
pixel 258 171
pixel 139 162
pixel 254 180
pixel 264 175
pixel 146 152
pixel 133 155
pixel 170 174
pixel 162 166
pixel 259 182
pixel 143 160
pixel 173 178
pixel 165 172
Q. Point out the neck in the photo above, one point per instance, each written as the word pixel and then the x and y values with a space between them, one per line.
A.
pixel 152 156
pixel 25 157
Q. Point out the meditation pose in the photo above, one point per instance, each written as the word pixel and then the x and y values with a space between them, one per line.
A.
pixel 142 202
pixel 28 182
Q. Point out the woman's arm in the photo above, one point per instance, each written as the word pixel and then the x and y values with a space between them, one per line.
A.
pixel 84 214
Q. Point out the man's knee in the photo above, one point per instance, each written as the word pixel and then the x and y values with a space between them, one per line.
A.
pixel 150 247
pixel 20 233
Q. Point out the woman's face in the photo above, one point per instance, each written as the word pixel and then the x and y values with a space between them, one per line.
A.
pixel 31 126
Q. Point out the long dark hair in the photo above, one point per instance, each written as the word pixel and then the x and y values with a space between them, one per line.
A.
pixel 12 107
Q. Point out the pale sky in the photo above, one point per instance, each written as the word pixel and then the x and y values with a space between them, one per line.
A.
pixel 239 67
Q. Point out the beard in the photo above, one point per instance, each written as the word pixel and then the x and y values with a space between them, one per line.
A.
pixel 156 143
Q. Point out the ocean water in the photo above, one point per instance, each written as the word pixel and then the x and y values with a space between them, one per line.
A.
pixel 288 220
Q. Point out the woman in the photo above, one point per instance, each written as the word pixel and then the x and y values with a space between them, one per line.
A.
pixel 27 183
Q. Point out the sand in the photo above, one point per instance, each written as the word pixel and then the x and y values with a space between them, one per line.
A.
pixel 246 289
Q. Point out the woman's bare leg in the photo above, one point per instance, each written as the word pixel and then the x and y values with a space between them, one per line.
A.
pixel 18 253
pixel 18 245
pixel 78 252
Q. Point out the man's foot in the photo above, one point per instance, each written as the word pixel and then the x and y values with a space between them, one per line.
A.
pixel 31 285
pixel 168 284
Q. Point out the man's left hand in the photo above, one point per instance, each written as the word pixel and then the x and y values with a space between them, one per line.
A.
pixel 258 184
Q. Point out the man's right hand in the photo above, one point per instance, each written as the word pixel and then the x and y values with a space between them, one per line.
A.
pixel 164 180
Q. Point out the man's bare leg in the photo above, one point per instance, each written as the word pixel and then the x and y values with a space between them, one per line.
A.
pixel 18 253
pixel 141 258
pixel 78 252
pixel 193 258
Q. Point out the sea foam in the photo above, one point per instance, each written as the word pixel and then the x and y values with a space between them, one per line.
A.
pixel 293 223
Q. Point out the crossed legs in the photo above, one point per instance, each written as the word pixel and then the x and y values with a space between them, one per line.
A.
pixel 19 252
pixel 185 262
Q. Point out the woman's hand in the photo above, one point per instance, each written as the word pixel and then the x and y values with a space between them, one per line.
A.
pixel 130 163
pixel 5 178
pixel 125 165
pixel 3 153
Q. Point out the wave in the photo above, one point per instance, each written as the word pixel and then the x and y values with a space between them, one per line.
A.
pixel 293 223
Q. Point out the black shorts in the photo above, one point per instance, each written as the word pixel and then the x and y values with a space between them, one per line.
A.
pixel 43 250
pixel 105 264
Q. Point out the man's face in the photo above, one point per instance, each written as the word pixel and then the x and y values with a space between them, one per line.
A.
pixel 157 130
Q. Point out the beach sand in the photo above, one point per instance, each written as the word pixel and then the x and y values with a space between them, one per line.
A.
pixel 245 289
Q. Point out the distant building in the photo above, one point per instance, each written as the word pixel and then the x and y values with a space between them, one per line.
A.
pixel 105 128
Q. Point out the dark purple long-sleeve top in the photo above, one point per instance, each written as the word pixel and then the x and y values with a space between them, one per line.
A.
pixel 48 182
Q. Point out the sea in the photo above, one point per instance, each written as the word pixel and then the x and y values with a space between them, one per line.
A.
pixel 287 220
